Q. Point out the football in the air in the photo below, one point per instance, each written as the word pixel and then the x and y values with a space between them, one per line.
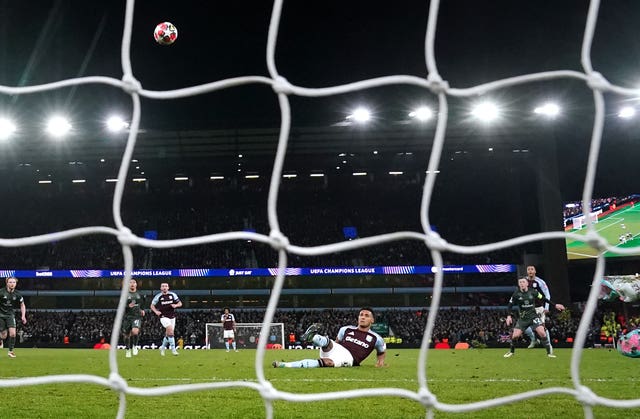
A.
pixel 629 344
pixel 165 33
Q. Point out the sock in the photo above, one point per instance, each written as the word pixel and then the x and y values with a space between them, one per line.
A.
pixel 546 344
pixel 305 363
pixel 127 342
pixel 135 340
pixel 512 347
pixel 226 344
pixel 530 334
pixel 234 345
pixel 172 343
pixel 548 336
pixel 12 343
pixel 165 342
pixel 321 341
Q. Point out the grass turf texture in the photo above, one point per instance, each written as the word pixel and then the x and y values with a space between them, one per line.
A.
pixel 454 376
pixel 609 227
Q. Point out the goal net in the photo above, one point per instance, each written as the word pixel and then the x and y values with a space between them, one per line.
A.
pixel 580 221
pixel 580 391
pixel 247 335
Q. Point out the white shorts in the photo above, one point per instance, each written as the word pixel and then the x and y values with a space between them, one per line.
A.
pixel 340 356
pixel 541 313
pixel 228 334
pixel 166 322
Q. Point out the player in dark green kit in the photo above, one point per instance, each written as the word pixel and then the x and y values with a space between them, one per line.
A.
pixel 525 298
pixel 132 320
pixel 10 299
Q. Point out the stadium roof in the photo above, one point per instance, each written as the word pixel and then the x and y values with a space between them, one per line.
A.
pixel 318 46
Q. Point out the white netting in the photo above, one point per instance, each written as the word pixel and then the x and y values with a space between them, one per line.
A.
pixel 437 245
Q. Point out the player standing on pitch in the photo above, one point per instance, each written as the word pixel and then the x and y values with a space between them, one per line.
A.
pixel 525 298
pixel 164 305
pixel 132 320
pixel 9 299
pixel 536 282
pixel 229 325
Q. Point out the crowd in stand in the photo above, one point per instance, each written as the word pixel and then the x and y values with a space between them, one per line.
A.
pixel 307 216
pixel 454 325
pixel 575 208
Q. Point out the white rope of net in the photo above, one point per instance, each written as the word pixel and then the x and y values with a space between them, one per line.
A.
pixel 283 89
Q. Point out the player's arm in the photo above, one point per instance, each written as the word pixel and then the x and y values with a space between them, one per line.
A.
pixel 177 304
pixel 341 333
pixel 23 312
pixel 143 300
pixel 509 318
pixel 381 352
pixel 545 300
pixel 545 291
pixel 153 305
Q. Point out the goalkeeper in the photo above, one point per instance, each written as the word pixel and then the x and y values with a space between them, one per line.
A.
pixel 525 298
pixel 352 346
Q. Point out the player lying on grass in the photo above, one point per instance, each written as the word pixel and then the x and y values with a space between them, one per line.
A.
pixel 525 298
pixel 352 346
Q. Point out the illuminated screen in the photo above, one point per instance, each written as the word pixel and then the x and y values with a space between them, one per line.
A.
pixel 617 219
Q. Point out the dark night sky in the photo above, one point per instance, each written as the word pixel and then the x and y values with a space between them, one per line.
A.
pixel 321 43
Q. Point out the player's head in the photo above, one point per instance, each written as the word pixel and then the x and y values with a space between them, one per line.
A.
pixel 531 271
pixel 133 285
pixel 365 317
pixel 11 282
pixel 226 310
pixel 523 284
pixel 164 287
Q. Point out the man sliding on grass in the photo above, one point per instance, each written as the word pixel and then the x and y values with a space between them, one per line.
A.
pixel 351 347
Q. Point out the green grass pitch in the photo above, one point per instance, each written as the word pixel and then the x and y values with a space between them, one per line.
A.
pixel 611 228
pixel 454 376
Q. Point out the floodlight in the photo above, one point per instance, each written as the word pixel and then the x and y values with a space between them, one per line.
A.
pixel 360 115
pixel 58 126
pixel 7 128
pixel 486 111
pixel 548 109
pixel 116 124
pixel 422 114
pixel 626 112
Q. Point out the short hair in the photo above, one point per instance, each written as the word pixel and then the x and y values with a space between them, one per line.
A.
pixel 6 281
pixel 369 309
pixel 226 308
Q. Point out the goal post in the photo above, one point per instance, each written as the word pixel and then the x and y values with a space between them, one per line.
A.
pixel 247 335
pixel 580 221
